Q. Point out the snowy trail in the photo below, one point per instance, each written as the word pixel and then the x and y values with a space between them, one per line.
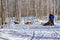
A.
pixel 30 32
pixel 10 34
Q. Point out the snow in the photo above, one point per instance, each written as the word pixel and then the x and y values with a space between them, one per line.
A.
pixel 36 31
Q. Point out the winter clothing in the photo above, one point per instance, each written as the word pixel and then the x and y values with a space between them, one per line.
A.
pixel 51 17
pixel 51 20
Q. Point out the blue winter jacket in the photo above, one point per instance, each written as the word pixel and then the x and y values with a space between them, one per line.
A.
pixel 51 17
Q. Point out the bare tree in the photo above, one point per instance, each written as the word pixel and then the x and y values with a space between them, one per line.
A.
pixel 17 14
pixel 3 11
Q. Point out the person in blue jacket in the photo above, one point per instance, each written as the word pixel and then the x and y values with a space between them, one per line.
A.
pixel 50 21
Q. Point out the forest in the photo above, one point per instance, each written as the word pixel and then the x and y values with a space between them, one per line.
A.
pixel 28 8
pixel 29 20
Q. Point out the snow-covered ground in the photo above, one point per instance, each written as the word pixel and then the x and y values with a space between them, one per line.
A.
pixel 36 31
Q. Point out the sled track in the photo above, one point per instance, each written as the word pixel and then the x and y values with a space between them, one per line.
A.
pixel 33 34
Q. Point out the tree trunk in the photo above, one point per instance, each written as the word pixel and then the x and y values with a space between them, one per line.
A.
pixel 3 11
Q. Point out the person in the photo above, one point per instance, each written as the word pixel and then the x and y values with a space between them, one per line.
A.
pixel 50 21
